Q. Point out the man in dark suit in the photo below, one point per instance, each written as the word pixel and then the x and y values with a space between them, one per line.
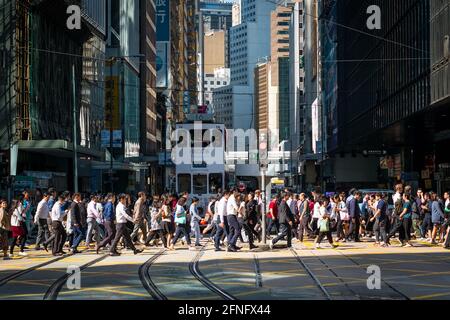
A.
pixel 286 219
pixel 355 216
pixel 78 222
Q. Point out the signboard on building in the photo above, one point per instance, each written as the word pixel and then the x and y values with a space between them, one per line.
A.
pixel 117 139
pixel 112 103
pixel 162 64
pixel 315 125
pixel 162 20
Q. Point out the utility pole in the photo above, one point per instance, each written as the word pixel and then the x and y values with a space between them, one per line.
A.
pixel 75 133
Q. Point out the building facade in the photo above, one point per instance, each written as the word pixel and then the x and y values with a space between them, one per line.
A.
pixel 381 98
pixel 440 90
pixel 220 78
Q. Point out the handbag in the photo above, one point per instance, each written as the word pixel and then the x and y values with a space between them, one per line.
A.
pixel 324 226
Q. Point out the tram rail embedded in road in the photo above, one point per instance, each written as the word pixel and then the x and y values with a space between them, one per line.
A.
pixel 195 271
pixel 147 282
pixel 53 292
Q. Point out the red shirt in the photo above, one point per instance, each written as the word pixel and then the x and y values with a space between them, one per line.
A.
pixel 273 205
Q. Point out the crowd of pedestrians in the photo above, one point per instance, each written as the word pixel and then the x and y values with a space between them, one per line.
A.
pixel 62 221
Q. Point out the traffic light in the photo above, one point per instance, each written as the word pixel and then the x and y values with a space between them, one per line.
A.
pixel 263 149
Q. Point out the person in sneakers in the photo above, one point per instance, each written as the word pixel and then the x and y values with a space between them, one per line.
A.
pixel 406 219
pixel 5 228
pixel 222 224
pixel 195 221
pixel 181 222
pixel 380 219
pixel 121 228
pixel 437 216
pixel 326 216
pixel 17 227
pixel 156 229
pixel 40 219
pixel 286 219
pixel 235 230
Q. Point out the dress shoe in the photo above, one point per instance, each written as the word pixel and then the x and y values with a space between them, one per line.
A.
pixel 138 251
pixel 114 254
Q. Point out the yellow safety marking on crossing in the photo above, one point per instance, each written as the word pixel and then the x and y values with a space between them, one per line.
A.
pixel 40 282
pixel 240 284
pixel 419 284
pixel 294 272
pixel 420 275
pixel 18 296
pixel 120 292
pixel 431 296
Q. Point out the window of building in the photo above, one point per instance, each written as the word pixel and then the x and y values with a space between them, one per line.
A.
pixel 200 184
pixel 215 183
pixel 184 183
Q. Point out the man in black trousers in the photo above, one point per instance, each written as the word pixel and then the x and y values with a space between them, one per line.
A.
pixel 355 216
pixel 58 214
pixel 286 219
pixel 109 215
pixel 121 229
pixel 78 218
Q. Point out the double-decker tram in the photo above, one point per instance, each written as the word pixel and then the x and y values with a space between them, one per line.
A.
pixel 199 160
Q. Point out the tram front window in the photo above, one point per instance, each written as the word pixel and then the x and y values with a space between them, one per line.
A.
pixel 215 183
pixel 184 183
pixel 200 184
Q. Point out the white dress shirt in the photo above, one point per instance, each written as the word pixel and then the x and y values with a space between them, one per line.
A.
pixel 92 212
pixel 42 211
pixel 121 214
pixel 316 214
pixel 57 214
pixel 232 207
pixel 222 209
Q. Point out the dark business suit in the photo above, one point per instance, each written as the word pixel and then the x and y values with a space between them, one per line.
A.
pixel 285 218
pixel 355 216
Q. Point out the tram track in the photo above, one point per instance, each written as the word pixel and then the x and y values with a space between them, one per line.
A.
pixel 401 294
pixel 195 271
pixel 147 282
pixel 311 274
pixel 18 274
pixel 54 290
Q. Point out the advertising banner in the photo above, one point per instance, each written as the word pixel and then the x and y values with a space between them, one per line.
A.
pixel 112 103
pixel 162 62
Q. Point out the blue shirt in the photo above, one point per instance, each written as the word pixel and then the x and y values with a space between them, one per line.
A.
pixel 382 206
pixel 108 212
pixel 436 212
pixel 50 203
pixel 408 208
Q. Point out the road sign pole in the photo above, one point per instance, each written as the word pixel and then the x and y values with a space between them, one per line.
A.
pixel 263 213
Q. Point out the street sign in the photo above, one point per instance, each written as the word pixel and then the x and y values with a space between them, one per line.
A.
pixel 374 152
pixel 106 141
